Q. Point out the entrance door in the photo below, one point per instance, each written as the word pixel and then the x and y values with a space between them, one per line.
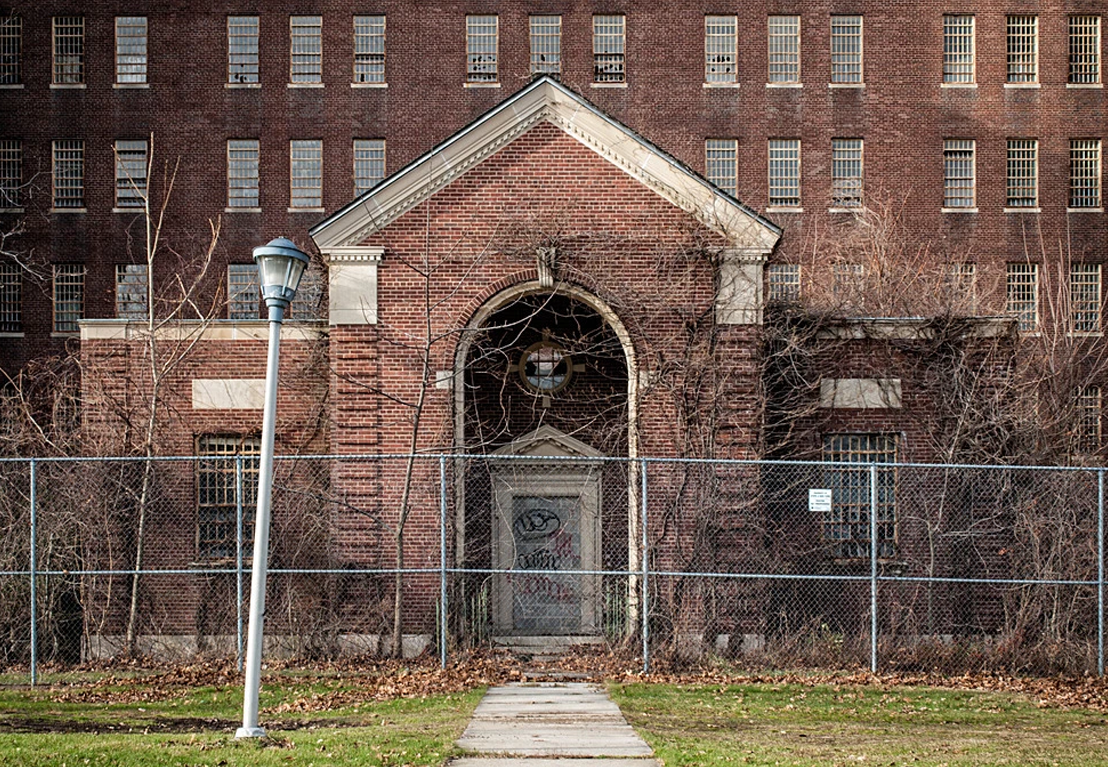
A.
pixel 546 533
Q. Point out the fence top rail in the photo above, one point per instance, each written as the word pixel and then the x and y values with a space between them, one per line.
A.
pixel 645 460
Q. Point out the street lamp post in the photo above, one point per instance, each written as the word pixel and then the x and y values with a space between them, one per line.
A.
pixel 280 266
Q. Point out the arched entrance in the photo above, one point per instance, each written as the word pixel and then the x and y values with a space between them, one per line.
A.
pixel 547 390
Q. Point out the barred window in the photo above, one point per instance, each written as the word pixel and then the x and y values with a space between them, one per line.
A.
pixel 369 49
pixel 1085 173
pixel 11 50
pixel 69 174
pixel 130 174
pixel 1023 49
pixel 1085 298
pixel 846 527
pixel 784 49
pixel 847 280
pixel 130 49
pixel 1088 408
pixel 846 49
pixel 721 157
pixel 784 172
pixel 221 497
pixel 305 49
pixel 11 174
pixel 69 50
pixel 546 45
pixel 959 174
pixel 783 282
pixel 131 291
pixel 306 173
pixel 1084 50
pixel 959 65
pixel 961 286
pixel 1023 173
pixel 482 46
pixel 369 163
pixel 242 49
pixel 846 172
pixel 608 49
pixel 242 173
pixel 308 300
pixel 69 297
pixel 721 50
pixel 1023 295
pixel 11 298
pixel 244 297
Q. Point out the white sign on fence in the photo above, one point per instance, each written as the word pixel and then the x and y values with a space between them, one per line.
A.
pixel 819 500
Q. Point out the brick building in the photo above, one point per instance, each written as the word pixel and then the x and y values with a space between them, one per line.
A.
pixel 533 209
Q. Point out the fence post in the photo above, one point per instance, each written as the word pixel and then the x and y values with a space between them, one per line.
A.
pixel 238 561
pixel 442 561
pixel 873 568
pixel 1100 575
pixel 645 599
pixel 34 575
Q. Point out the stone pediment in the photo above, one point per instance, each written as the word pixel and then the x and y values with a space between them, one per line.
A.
pixel 548 442
pixel 749 235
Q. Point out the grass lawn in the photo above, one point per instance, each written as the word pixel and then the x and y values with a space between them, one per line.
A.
pixel 833 724
pixel 311 719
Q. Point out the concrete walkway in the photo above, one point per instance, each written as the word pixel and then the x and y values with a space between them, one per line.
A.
pixel 551 725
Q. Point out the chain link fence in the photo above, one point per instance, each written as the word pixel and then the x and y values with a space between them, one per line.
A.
pixel 767 564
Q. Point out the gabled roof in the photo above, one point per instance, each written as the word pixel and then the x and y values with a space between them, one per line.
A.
pixel 546 100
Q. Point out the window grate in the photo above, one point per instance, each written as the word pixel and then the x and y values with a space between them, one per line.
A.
pixel 244 297
pixel 958 49
pixel 369 163
pixel 721 158
pixel 69 50
pixel 1023 49
pixel 217 498
pixel 130 49
pixel 11 50
pixel 1084 54
pixel 242 173
pixel 1085 298
pixel 847 526
pixel 305 49
pixel 1023 173
pixel 846 172
pixel 369 49
pixel 546 45
pixel 130 174
pixel 481 48
pixel 784 49
pixel 959 173
pixel 608 49
pixel 11 173
pixel 306 173
pixel 131 291
pixel 69 174
pixel 69 297
pixel 242 49
pixel 721 49
pixel 784 172
pixel 846 49
pixel 1085 173
pixel 783 281
pixel 11 298
pixel 1088 407
pixel 1022 287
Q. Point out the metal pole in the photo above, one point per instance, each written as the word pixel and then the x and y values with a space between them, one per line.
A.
pixel 34 576
pixel 250 728
pixel 1100 575
pixel 238 561
pixel 442 561
pixel 873 568
pixel 645 600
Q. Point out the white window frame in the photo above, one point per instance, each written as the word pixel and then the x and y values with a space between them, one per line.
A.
pixel 132 296
pixel 959 50
pixel 609 49
pixel 130 173
pixel 69 52
pixel 11 298
pixel 721 51
pixel 1085 192
pixel 305 51
pixel 1023 175
pixel 784 173
pixel 721 163
pixel 483 49
pixel 69 298
pixel 69 175
pixel 846 528
pixel 369 50
pixel 1085 299
pixel 369 164
pixel 847 51
pixel 959 175
pixel 546 45
pixel 783 282
pixel 131 37
pixel 11 175
pixel 847 173
pixel 244 296
pixel 1023 50
pixel 243 70
pixel 1022 294
pixel 11 51
pixel 243 162
pixel 783 35
pixel 305 174
pixel 1084 52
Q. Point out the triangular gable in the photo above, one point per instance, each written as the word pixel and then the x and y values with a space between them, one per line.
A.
pixel 550 101
pixel 546 441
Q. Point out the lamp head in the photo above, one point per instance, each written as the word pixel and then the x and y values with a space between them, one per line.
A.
pixel 280 266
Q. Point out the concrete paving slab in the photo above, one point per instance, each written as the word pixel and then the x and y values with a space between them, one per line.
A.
pixel 481 761
pixel 557 719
